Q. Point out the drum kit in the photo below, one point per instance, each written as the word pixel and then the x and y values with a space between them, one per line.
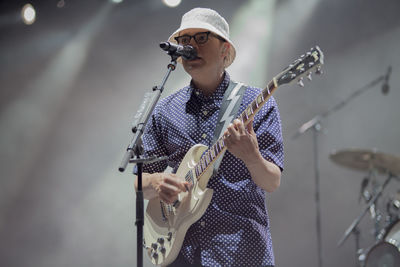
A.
pixel 385 252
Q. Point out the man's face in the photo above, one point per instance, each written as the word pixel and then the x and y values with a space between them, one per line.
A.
pixel 210 54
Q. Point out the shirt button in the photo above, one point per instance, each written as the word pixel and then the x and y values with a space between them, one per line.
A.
pixel 197 93
pixel 205 112
pixel 204 135
pixel 203 223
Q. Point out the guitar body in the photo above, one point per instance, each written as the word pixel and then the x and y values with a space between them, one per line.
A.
pixel 166 229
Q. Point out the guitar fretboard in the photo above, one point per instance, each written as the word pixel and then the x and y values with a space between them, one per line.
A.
pixel 211 155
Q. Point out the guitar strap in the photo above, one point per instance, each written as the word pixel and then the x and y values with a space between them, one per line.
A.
pixel 227 114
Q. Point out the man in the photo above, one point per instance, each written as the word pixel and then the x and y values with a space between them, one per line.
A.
pixel 234 230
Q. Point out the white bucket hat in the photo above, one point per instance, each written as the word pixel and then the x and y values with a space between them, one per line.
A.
pixel 208 19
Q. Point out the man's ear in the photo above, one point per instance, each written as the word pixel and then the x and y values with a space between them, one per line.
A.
pixel 225 48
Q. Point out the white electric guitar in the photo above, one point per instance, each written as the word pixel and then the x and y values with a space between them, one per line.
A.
pixel 165 225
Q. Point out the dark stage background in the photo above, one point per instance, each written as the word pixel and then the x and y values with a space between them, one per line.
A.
pixel 72 82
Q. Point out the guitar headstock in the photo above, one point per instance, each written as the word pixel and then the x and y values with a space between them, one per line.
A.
pixel 303 66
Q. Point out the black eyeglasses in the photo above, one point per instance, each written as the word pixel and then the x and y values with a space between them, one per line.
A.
pixel 200 38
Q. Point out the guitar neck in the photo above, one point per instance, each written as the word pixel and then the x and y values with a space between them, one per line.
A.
pixel 301 67
pixel 216 150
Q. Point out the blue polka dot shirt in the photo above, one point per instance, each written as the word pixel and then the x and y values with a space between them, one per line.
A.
pixel 234 230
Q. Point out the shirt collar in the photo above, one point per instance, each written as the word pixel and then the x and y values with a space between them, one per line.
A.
pixel 195 93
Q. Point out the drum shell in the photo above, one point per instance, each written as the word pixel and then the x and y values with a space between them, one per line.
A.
pixel 387 252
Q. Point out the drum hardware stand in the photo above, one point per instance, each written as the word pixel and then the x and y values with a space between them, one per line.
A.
pixel 134 152
pixel 315 125
pixel 355 223
pixel 375 213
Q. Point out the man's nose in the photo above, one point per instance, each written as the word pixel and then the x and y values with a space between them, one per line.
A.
pixel 193 43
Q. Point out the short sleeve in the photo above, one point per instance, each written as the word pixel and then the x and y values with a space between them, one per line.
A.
pixel 267 125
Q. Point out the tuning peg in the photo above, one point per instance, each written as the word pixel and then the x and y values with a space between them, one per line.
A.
pixel 310 64
pixel 319 70
pixel 309 76
pixel 300 82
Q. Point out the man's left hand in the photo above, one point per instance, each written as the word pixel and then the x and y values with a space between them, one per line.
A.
pixel 242 142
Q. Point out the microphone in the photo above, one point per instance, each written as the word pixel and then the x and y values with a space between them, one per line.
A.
pixel 187 52
pixel 385 85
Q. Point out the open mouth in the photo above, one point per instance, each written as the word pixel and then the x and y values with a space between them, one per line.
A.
pixel 196 58
pixel 191 59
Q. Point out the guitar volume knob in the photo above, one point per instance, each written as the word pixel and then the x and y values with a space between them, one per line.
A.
pixel 154 255
pixel 162 250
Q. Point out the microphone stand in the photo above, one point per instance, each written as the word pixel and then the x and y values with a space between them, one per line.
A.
pixel 134 153
pixel 315 125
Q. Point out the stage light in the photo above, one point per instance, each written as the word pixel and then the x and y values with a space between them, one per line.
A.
pixel 28 14
pixel 172 3
pixel 116 1
pixel 61 4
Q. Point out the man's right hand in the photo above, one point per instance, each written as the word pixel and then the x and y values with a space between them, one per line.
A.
pixel 166 186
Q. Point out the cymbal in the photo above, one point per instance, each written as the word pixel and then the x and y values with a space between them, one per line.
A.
pixel 365 160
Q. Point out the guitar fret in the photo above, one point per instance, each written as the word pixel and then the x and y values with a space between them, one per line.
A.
pixel 206 160
pixel 243 116
pixel 249 111
pixel 254 105
pixel 260 99
pixel 203 166
pixel 209 156
pixel 266 91
pixel 212 152
pixel 215 150
pixel 217 146
pixel 199 170
pixel 270 87
pixel 222 144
